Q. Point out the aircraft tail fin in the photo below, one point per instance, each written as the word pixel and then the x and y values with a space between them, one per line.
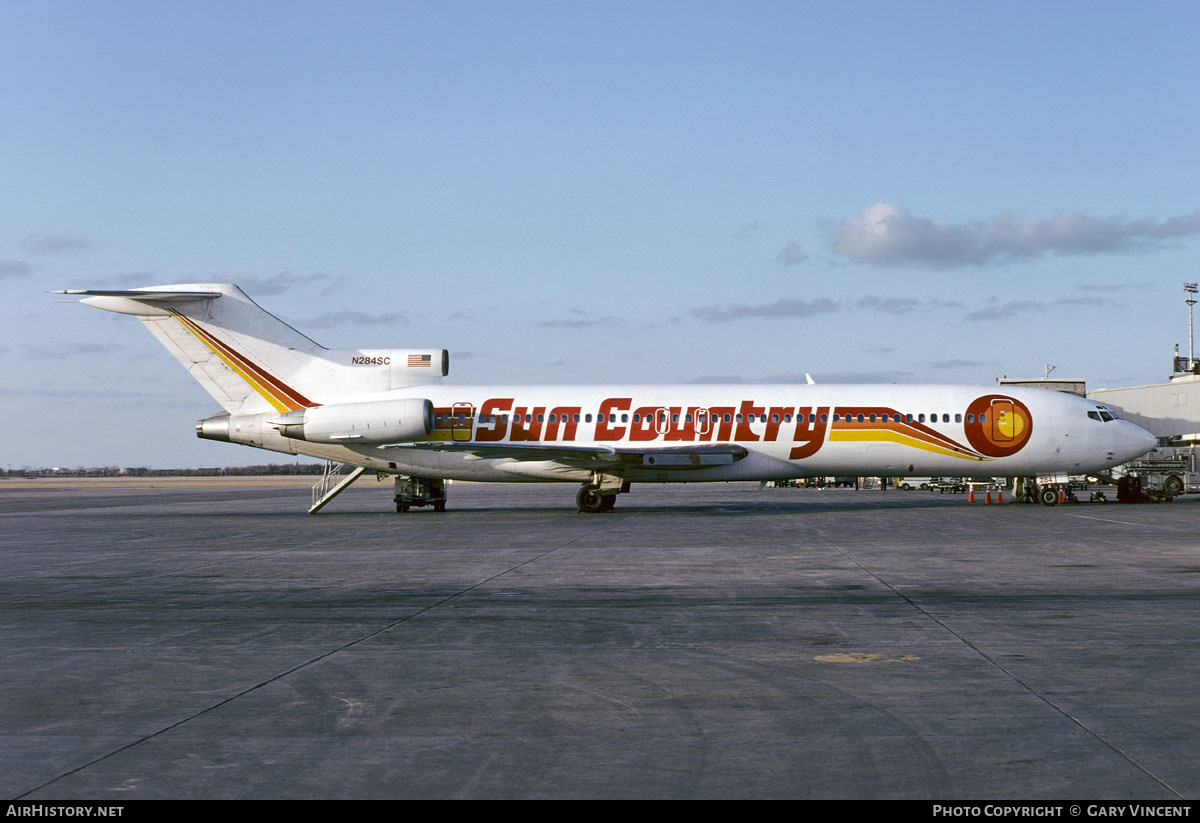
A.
pixel 251 361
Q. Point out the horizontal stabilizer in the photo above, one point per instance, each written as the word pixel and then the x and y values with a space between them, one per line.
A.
pixel 142 294
pixel 252 362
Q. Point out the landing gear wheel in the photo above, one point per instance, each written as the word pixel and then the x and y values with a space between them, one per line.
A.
pixel 1048 496
pixel 610 500
pixel 589 500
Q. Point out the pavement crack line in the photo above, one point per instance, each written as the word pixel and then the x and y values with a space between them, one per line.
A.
pixel 1012 675
pixel 317 659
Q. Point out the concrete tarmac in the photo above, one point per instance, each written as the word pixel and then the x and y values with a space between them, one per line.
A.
pixel 707 641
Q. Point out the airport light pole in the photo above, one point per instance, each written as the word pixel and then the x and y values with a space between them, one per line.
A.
pixel 1190 290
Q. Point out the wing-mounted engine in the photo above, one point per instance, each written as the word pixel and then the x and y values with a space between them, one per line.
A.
pixel 374 421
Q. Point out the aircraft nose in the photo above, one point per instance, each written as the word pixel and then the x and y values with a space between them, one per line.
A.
pixel 1135 441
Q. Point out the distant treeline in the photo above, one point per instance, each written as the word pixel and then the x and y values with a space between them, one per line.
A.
pixel 138 471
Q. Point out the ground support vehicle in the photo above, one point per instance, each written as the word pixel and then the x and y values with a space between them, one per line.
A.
pixel 419 491
pixel 948 485
pixel 1170 472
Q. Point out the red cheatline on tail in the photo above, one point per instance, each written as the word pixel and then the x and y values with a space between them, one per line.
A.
pixel 279 394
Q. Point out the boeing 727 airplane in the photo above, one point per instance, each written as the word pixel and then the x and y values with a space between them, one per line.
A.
pixel 387 410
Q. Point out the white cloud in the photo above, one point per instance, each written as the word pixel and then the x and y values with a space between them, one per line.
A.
pixel 14 268
pixel 63 349
pixel 795 307
pixel 55 243
pixel 886 234
pixel 1004 311
pixel 780 308
pixel 792 254
pixel 351 317
pixel 255 285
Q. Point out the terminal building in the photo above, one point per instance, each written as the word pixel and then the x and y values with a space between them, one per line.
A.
pixel 1170 411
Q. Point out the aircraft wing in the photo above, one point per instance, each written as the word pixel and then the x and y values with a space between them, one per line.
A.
pixel 594 457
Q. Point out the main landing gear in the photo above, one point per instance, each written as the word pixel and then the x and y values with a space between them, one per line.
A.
pixel 419 491
pixel 590 500
pixel 600 495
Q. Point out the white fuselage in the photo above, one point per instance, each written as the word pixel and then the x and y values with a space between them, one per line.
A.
pixel 787 431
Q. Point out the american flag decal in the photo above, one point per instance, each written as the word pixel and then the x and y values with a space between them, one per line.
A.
pixel 415 360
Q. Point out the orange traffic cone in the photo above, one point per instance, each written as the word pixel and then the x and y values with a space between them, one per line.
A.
pixel 970 494
pixel 987 500
pixel 999 496
pixel 1062 498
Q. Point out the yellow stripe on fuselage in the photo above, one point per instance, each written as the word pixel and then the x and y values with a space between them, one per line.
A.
pixel 885 436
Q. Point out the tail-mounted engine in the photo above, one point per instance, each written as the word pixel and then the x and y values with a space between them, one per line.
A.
pixel 374 421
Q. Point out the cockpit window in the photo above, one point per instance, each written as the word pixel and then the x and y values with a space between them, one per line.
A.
pixel 1094 415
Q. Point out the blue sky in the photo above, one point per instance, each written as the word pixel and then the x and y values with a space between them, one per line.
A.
pixel 611 192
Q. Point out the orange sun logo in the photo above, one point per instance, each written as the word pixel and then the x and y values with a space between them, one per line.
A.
pixel 998 425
